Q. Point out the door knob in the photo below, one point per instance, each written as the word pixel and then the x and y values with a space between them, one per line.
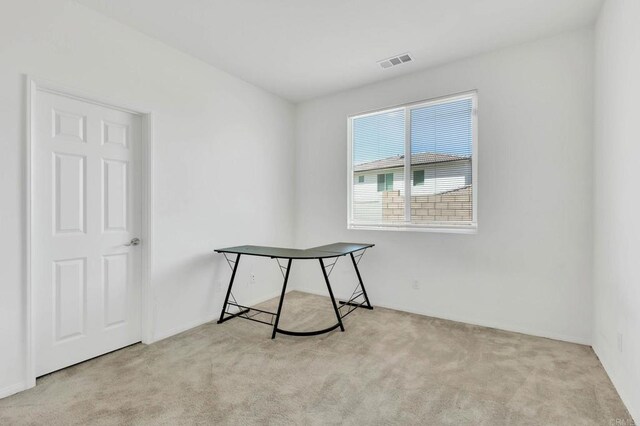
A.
pixel 133 242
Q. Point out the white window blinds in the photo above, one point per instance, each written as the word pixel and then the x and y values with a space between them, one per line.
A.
pixel 415 165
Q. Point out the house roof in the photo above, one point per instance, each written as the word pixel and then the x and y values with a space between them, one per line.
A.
pixel 416 160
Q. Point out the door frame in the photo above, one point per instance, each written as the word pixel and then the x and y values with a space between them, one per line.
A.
pixel 32 86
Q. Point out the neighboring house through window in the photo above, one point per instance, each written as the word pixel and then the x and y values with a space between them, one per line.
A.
pixel 426 150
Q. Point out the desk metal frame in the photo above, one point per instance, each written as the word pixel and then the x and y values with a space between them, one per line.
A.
pixel 331 252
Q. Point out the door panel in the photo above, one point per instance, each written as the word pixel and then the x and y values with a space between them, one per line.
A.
pixel 115 270
pixel 69 197
pixel 69 126
pixel 70 281
pixel 115 183
pixel 86 207
pixel 115 133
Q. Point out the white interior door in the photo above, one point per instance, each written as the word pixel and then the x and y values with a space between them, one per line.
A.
pixel 86 207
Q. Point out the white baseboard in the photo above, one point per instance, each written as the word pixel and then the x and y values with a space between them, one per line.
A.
pixel 473 321
pixel 622 390
pixel 12 389
pixel 214 317
pixel 181 328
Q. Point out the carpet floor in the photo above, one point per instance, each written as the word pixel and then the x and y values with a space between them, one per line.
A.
pixel 387 368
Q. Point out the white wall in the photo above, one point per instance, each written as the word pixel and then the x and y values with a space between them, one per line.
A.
pixel 529 266
pixel 617 198
pixel 223 153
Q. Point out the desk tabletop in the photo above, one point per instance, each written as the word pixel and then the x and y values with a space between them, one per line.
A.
pixel 320 252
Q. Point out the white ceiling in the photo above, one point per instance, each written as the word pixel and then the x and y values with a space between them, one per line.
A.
pixel 300 49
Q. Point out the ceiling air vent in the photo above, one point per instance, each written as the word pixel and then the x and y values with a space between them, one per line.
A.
pixel 395 60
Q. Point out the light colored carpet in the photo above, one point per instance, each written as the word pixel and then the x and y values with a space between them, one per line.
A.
pixel 387 368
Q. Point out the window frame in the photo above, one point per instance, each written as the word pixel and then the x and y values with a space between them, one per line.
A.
pixel 388 182
pixel 414 180
pixel 385 181
pixel 381 183
pixel 452 227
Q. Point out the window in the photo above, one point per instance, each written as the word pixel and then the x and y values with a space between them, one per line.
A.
pixel 385 182
pixel 422 161
pixel 418 177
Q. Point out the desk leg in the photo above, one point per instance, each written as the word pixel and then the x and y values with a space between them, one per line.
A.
pixel 226 299
pixel 364 292
pixel 284 290
pixel 333 300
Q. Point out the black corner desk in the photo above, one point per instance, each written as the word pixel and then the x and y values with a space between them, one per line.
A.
pixel 327 256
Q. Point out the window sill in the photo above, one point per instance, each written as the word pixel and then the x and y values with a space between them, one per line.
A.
pixel 451 229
